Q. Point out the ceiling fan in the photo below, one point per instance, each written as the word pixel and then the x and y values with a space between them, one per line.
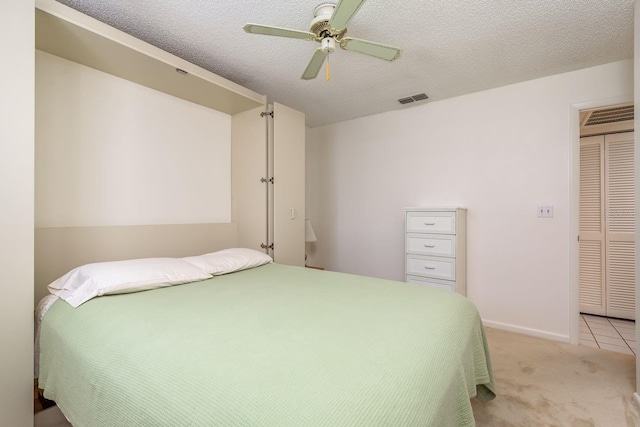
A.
pixel 329 27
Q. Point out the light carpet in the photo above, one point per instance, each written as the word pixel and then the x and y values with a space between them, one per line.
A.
pixel 548 383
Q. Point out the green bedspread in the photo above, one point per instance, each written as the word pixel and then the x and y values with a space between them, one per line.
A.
pixel 271 346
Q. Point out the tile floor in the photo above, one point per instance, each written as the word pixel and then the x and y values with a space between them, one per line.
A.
pixel 608 333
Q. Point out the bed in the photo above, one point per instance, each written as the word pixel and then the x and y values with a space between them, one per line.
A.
pixel 268 345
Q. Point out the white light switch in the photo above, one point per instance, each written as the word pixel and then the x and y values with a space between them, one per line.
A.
pixel 545 211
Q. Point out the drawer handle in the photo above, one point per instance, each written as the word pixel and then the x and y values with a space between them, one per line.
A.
pixel 428 267
pixel 429 223
pixel 429 246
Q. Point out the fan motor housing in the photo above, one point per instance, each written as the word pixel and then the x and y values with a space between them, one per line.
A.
pixel 320 23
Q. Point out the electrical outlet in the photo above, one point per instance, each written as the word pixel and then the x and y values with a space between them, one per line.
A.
pixel 545 211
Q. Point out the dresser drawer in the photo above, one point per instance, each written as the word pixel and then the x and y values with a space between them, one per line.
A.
pixel 445 285
pixel 431 244
pixel 431 222
pixel 439 268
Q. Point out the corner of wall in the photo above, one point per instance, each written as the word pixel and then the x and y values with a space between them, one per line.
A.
pixel 16 218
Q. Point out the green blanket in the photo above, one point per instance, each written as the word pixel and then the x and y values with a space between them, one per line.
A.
pixel 271 346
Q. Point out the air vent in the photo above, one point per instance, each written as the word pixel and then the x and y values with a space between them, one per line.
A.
pixel 611 119
pixel 610 115
pixel 409 99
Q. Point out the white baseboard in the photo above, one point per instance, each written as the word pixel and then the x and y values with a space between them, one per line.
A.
pixel 527 331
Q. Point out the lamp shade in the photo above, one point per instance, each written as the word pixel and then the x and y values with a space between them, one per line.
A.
pixel 309 235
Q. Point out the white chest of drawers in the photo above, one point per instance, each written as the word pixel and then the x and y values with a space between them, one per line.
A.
pixel 435 248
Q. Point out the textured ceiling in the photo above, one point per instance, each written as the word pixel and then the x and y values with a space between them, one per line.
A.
pixel 449 47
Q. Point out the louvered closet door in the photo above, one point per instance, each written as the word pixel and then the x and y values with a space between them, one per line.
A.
pixel 620 225
pixel 592 248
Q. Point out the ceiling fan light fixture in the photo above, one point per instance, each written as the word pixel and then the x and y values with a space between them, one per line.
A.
pixel 328 45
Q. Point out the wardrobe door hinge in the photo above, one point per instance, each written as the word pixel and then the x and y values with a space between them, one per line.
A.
pixel 267 113
pixel 263 246
pixel 267 180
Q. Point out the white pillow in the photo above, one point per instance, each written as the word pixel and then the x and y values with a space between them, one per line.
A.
pixel 104 278
pixel 229 260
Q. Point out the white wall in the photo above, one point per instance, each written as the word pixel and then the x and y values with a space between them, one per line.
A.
pixel 499 153
pixel 111 152
pixel 16 213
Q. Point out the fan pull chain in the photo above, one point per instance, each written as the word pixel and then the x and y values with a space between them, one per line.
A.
pixel 328 68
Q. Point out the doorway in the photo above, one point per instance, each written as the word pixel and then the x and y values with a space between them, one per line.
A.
pixel 606 260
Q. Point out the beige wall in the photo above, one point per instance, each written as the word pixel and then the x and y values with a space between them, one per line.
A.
pixel 16 213
pixel 112 152
pixel 500 153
